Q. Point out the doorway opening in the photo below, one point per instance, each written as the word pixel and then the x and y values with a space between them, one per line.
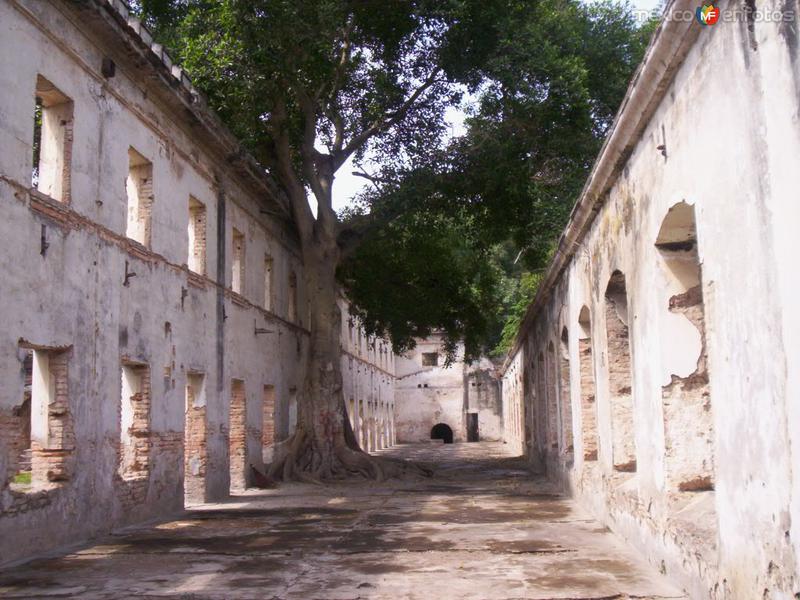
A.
pixel 195 440
pixel 472 427
pixel 442 432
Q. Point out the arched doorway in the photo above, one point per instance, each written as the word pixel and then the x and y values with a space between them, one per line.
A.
pixel 620 376
pixel 686 396
pixel 441 431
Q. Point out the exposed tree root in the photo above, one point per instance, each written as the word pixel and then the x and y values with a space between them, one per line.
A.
pixel 260 480
pixel 303 461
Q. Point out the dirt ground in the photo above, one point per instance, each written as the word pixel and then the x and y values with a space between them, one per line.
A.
pixel 481 528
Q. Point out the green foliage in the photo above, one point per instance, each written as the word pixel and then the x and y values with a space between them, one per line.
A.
pixel 339 66
pixel 450 233
pixel 22 478
pixel 419 273
pixel 547 96
pixel 522 294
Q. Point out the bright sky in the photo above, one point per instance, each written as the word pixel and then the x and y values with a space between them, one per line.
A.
pixel 346 185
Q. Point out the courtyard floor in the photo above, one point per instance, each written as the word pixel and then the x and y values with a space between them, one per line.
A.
pixel 481 528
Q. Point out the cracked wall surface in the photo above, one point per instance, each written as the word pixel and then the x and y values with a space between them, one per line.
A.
pixel 100 285
pixel 685 385
pixel 430 394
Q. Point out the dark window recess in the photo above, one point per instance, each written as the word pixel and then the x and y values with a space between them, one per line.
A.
pixel 430 359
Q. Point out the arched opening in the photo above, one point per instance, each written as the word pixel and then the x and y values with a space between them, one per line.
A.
pixel 369 436
pixel 551 367
pixel 619 374
pixel 688 422
pixel 541 405
pixel 528 414
pixel 440 431
pixel 373 428
pixel 351 413
pixel 588 393
pixel 237 438
pixel 566 399
pixel 362 429
pixel 195 440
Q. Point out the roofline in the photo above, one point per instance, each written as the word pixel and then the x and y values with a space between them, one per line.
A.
pixel 175 83
pixel 667 50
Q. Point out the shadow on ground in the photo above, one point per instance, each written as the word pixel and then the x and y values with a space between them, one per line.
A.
pixel 481 528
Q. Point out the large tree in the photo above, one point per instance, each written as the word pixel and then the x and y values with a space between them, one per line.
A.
pixel 308 84
pixel 548 92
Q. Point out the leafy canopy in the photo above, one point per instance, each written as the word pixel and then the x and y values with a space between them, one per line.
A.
pixel 445 234
pixel 331 74
pixel 547 96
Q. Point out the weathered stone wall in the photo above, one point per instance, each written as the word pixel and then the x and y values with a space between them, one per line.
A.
pixel 368 366
pixel 684 382
pixel 428 395
pixel 89 300
pixel 516 401
pixel 195 464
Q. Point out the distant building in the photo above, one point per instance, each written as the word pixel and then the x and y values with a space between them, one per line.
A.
pixel 458 402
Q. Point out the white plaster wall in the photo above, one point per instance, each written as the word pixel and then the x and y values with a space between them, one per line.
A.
pixel 74 295
pixel 729 124
pixel 513 407
pixel 780 74
pixel 427 395
pixel 484 397
pixel 368 383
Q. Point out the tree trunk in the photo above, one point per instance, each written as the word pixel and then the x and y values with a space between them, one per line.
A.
pixel 323 446
pixel 321 406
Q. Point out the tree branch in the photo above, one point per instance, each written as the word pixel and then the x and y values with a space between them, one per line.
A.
pixel 316 166
pixel 341 66
pixel 296 192
pixel 338 125
pixel 388 120
pixel 371 178
pixel 338 80
pixel 309 110
pixel 344 59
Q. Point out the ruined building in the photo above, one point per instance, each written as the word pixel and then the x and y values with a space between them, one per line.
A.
pixel 154 316
pixel 154 320
pixel 657 372
pixel 458 402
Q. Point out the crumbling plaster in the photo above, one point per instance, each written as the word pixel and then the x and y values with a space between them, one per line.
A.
pixel 429 395
pixel 75 293
pixel 728 123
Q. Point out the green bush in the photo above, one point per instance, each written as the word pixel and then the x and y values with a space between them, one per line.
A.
pixel 23 478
